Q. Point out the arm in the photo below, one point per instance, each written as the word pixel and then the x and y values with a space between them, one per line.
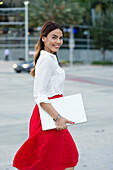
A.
pixel 61 122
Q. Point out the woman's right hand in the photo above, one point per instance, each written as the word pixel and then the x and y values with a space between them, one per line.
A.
pixel 61 123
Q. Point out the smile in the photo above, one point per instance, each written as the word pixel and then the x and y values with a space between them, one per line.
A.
pixel 56 46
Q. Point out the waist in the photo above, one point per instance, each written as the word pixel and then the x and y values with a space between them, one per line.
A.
pixel 56 96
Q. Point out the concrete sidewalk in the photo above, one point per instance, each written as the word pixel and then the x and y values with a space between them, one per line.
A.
pixel 94 138
pixel 7 66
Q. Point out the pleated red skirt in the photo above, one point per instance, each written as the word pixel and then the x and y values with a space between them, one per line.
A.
pixel 46 150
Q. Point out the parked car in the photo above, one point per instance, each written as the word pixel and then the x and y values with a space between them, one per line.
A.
pixel 23 67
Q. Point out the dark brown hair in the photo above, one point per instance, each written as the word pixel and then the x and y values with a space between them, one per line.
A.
pixel 46 29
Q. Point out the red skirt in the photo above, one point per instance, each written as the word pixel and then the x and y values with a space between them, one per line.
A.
pixel 46 150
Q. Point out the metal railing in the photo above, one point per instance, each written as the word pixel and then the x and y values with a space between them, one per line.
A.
pixel 11 42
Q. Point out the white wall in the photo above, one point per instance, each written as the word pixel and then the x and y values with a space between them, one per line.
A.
pixel 87 56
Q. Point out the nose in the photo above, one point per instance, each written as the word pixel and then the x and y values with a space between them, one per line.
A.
pixel 59 41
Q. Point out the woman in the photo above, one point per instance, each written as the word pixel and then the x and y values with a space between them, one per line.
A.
pixel 52 149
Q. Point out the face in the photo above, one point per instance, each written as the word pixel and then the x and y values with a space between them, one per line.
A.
pixel 53 41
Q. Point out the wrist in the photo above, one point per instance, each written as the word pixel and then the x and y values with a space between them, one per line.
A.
pixel 58 117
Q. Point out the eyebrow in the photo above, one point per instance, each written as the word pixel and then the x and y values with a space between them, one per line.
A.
pixel 56 35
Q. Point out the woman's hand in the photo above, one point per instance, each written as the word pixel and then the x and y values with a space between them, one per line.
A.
pixel 61 123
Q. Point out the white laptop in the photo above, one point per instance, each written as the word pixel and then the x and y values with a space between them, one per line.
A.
pixel 71 107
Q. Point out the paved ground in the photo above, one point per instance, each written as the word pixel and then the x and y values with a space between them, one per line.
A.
pixel 94 138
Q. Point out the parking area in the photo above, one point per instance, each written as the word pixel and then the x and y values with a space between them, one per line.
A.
pixel 94 138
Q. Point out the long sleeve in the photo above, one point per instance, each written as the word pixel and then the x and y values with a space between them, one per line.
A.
pixel 43 74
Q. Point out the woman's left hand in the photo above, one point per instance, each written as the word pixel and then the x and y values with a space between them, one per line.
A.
pixel 61 123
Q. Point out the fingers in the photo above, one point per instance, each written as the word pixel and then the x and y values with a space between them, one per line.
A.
pixel 61 128
pixel 70 122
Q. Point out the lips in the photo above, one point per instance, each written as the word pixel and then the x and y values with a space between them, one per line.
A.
pixel 57 46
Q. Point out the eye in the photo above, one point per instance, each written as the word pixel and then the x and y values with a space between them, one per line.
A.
pixel 61 38
pixel 53 37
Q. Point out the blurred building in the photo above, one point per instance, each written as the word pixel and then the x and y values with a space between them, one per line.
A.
pixel 11 15
pixel 12 3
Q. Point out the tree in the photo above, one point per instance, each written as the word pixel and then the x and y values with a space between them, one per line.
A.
pixel 87 4
pixel 61 11
pixel 102 32
pixel 93 8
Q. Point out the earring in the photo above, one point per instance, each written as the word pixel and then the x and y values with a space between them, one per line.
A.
pixel 43 40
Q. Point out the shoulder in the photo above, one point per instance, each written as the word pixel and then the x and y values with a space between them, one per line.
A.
pixel 45 57
pixel 45 60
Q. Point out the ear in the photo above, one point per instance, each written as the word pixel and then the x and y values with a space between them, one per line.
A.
pixel 43 39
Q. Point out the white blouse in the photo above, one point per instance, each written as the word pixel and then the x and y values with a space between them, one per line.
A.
pixel 49 77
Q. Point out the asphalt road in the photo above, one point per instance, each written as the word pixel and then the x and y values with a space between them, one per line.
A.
pixel 94 138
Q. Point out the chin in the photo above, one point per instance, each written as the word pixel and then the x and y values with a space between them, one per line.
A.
pixel 56 50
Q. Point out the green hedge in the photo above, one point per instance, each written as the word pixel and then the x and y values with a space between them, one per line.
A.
pixel 102 63
pixel 74 62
